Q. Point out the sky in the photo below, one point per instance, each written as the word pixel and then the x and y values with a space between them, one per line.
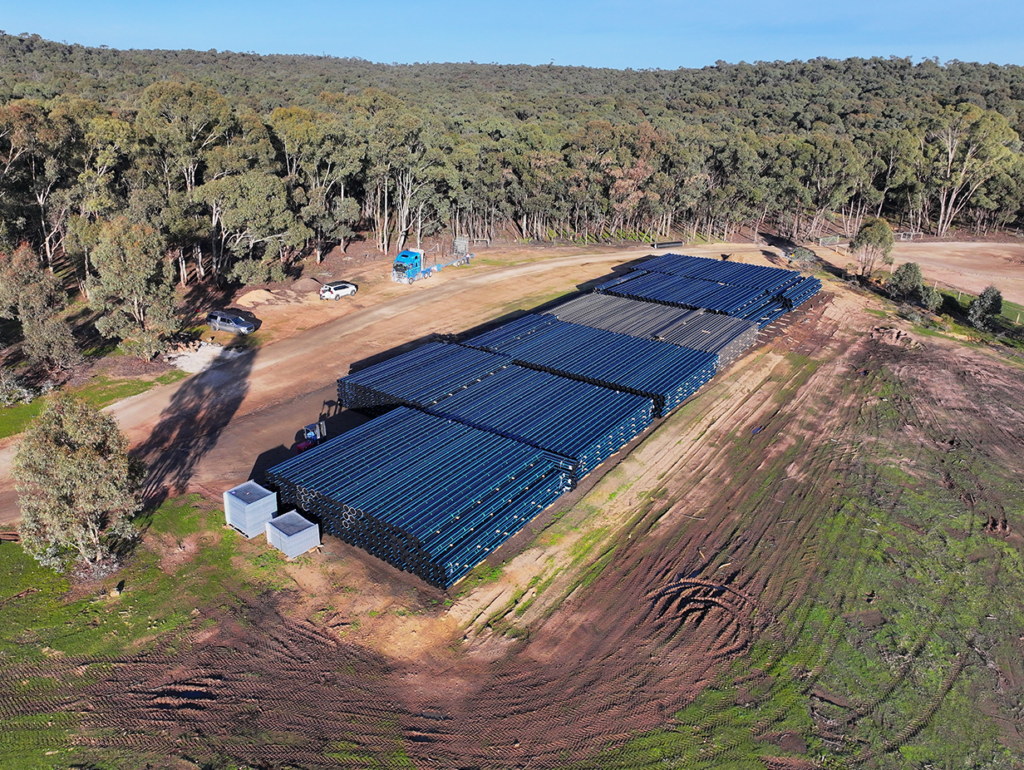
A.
pixel 645 34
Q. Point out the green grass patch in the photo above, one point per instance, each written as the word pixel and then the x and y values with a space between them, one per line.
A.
pixel 582 548
pixel 169 378
pixel 102 391
pixel 15 419
pixel 40 618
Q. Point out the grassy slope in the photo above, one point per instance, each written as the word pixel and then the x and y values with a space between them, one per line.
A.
pixel 41 621
pixel 918 684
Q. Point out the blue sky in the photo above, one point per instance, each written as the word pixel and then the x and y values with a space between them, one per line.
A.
pixel 602 33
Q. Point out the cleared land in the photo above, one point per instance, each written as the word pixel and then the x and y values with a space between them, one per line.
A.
pixel 819 554
pixel 967 266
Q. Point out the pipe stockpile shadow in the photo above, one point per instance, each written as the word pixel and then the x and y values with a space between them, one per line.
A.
pixel 339 421
pixel 191 425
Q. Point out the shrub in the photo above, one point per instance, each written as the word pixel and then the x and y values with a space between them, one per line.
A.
pixel 803 254
pixel 12 391
pixel 984 307
pixel 931 298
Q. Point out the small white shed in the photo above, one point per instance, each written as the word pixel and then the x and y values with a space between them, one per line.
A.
pixel 292 535
pixel 248 507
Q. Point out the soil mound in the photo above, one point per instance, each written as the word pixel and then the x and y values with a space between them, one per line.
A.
pixel 304 285
pixel 892 336
pixel 256 297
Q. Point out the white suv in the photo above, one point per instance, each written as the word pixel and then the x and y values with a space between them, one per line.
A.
pixel 337 290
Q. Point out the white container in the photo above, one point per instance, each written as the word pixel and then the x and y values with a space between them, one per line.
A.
pixel 292 535
pixel 248 507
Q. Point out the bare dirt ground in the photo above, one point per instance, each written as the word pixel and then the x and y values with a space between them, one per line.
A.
pixel 616 610
pixel 967 266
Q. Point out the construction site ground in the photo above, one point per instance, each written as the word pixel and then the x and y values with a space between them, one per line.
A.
pixel 817 556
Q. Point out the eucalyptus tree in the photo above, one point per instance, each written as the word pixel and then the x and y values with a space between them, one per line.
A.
pixel 253 217
pixel 873 242
pixel 133 286
pixel 966 147
pixel 78 487
pixel 181 124
pixel 100 191
pixel 35 297
pixel 323 159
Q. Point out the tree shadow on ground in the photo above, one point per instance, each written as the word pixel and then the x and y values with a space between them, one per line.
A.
pixel 779 242
pixel 191 424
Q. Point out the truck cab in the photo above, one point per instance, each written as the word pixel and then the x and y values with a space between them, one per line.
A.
pixel 408 266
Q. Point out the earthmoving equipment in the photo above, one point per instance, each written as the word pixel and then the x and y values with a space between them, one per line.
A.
pixel 409 267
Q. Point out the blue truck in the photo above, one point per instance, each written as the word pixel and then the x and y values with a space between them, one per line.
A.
pixel 409 266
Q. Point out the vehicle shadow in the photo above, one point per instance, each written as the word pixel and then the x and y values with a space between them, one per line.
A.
pixel 191 424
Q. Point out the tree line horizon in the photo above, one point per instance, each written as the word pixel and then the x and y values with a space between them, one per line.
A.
pixel 176 166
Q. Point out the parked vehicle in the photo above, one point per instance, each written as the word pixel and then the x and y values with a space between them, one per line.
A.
pixel 338 289
pixel 220 321
pixel 408 266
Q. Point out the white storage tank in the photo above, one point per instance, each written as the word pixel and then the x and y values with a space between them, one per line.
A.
pixel 292 535
pixel 248 507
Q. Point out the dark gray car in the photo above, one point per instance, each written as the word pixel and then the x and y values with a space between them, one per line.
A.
pixel 226 322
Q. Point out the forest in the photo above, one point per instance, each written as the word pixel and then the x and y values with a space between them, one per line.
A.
pixel 139 170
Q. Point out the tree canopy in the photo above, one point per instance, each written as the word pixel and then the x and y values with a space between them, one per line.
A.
pixel 907 279
pixel 211 160
pixel 873 242
pixel 984 307
pixel 78 486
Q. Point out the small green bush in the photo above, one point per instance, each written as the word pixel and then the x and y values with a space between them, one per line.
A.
pixel 12 391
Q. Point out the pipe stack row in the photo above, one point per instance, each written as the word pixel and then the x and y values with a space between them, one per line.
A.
pixel 667 374
pixel 420 377
pixel 483 435
pixel 428 495
pixel 712 333
pixel 751 292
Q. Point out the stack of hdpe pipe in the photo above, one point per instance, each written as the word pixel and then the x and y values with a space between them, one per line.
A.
pixel 419 377
pixel 667 374
pixel 426 494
